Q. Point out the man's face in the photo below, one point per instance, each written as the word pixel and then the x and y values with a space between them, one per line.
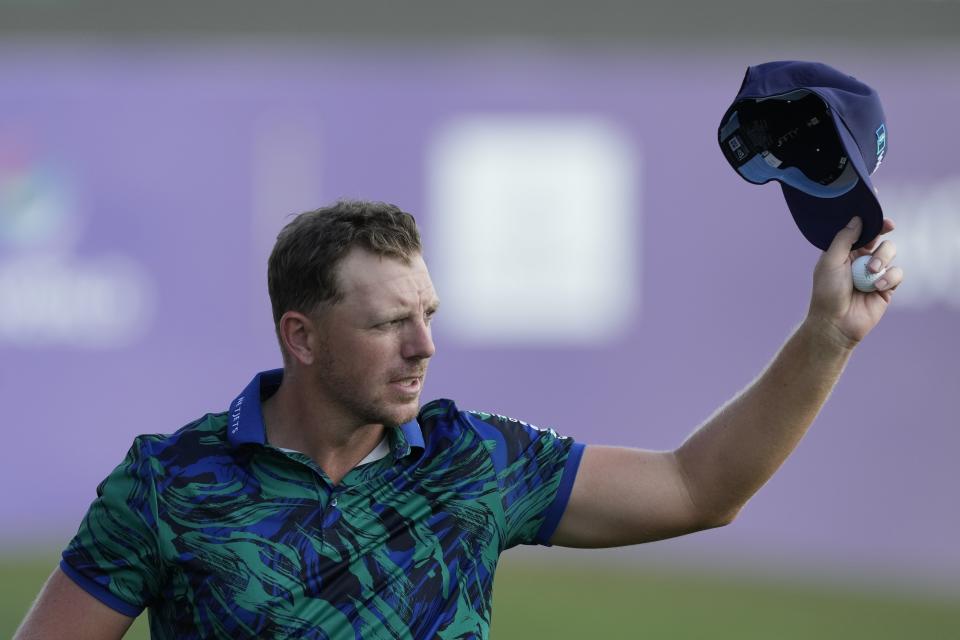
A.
pixel 375 343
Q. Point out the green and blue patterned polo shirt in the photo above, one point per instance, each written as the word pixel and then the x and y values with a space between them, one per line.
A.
pixel 222 535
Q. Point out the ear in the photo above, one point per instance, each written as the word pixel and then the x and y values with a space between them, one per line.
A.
pixel 298 332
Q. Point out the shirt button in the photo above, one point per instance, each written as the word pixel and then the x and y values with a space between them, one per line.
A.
pixel 333 502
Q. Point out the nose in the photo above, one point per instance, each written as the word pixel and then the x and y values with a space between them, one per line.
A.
pixel 418 343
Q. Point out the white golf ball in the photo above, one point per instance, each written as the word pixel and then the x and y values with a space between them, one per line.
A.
pixel 862 278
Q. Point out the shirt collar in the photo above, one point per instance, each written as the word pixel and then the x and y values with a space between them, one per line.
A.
pixel 246 417
pixel 404 438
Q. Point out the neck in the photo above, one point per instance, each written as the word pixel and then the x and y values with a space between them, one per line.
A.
pixel 294 419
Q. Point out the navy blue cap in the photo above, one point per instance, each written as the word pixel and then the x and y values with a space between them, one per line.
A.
pixel 820 133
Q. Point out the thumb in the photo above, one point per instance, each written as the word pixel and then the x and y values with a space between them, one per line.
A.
pixel 843 242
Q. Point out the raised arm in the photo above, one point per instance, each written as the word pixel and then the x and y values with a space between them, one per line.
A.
pixel 64 610
pixel 627 496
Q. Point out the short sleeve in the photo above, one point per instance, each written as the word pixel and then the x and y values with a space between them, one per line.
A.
pixel 115 555
pixel 535 473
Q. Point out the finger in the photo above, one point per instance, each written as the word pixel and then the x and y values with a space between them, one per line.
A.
pixel 839 250
pixel 888 226
pixel 890 280
pixel 882 256
pixel 866 249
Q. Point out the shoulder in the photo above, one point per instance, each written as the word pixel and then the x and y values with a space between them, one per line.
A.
pixel 201 438
pixel 444 415
pixel 443 424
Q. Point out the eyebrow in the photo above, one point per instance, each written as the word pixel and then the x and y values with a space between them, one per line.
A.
pixel 403 310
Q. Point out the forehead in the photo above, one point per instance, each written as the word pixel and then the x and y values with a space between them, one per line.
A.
pixel 366 276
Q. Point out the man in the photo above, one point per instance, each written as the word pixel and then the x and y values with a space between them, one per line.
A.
pixel 327 503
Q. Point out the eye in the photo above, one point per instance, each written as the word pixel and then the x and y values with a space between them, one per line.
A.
pixel 390 324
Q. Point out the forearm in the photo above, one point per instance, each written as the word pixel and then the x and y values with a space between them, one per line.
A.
pixel 736 451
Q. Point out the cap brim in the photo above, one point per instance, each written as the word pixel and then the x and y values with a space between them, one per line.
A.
pixel 819 219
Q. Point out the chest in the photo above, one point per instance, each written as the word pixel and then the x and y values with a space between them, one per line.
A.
pixel 398 541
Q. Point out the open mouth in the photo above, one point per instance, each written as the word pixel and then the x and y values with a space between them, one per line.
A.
pixel 409 384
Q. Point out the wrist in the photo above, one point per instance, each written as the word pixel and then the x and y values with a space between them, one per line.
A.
pixel 825 335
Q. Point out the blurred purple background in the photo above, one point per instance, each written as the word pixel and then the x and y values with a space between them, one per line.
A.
pixel 141 189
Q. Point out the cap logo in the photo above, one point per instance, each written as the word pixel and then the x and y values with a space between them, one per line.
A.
pixel 881 143
pixel 737 147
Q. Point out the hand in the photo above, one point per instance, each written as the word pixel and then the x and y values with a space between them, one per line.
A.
pixel 835 305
